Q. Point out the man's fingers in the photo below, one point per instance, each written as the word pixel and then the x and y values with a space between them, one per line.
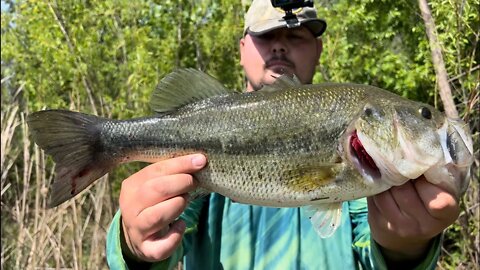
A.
pixel 387 206
pixel 183 164
pixel 375 217
pixel 152 219
pixel 408 201
pixel 153 192
pixel 178 165
pixel 439 203
pixel 163 188
pixel 159 248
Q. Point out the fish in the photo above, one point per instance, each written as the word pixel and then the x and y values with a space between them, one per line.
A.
pixel 286 145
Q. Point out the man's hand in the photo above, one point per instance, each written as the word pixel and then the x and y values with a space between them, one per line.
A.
pixel 404 219
pixel 150 200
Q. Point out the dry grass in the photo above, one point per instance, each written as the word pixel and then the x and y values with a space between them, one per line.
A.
pixel 71 236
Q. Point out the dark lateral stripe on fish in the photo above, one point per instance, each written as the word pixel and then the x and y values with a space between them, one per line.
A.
pixel 136 139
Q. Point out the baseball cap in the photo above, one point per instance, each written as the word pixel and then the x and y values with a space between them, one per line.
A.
pixel 262 17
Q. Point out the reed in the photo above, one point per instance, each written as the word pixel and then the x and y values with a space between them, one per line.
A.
pixel 71 236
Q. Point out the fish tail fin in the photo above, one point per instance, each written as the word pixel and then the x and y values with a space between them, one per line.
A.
pixel 73 140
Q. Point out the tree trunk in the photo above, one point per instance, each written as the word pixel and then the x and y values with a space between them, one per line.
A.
pixel 437 59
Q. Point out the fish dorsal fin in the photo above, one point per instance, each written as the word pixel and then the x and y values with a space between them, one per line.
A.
pixel 183 87
pixel 282 82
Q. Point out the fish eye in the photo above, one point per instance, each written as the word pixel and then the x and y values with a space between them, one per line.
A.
pixel 425 112
pixel 368 111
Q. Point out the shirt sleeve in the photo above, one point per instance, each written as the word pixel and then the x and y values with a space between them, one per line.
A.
pixel 368 251
pixel 115 257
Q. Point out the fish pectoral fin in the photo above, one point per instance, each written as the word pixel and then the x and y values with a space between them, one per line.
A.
pixel 310 177
pixel 182 87
pixel 282 82
pixel 325 218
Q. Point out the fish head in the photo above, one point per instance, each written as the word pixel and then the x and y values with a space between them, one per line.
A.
pixel 394 141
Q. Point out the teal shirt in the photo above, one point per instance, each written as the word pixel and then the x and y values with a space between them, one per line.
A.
pixel 222 234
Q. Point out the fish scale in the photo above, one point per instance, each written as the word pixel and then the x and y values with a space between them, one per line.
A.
pixel 265 134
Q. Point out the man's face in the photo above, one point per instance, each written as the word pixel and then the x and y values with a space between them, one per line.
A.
pixel 281 51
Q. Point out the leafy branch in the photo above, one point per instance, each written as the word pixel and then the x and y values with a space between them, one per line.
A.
pixel 85 81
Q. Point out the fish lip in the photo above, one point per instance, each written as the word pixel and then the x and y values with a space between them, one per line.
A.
pixel 457 135
pixel 371 173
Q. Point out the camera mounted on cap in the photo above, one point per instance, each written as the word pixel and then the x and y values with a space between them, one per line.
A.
pixel 288 6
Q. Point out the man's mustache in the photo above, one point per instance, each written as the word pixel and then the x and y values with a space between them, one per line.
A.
pixel 274 60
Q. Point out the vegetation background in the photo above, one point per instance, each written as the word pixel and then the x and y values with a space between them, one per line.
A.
pixel 105 58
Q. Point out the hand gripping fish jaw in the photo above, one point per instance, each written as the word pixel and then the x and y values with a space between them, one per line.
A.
pixel 407 148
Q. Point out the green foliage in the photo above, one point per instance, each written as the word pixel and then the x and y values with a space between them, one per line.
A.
pixel 377 43
pixel 116 50
pixel 383 43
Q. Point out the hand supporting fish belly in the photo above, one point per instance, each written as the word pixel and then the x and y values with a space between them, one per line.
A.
pixel 287 145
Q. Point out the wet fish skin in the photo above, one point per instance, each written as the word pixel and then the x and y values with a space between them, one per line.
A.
pixel 286 145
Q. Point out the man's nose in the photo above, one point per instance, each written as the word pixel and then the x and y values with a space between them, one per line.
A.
pixel 279 46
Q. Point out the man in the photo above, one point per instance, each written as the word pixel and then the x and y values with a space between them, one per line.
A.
pixel 217 233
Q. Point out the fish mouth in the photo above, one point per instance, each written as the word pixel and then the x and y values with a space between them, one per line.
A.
pixel 361 159
pixel 453 172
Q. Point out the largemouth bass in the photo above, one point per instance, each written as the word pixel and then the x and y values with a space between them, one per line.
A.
pixel 287 145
